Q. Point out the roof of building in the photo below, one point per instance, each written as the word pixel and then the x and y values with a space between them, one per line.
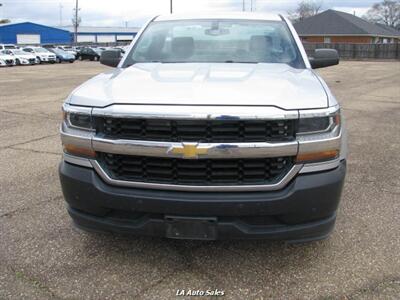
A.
pixel 95 29
pixel 29 24
pixel 226 15
pixel 332 22
pixel 391 29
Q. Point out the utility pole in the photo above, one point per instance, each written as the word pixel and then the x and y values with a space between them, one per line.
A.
pixel 251 5
pixel 76 22
pixel 170 6
pixel 61 8
pixel 243 6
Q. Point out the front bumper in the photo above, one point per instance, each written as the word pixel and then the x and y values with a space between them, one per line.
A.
pixel 48 59
pixel 304 210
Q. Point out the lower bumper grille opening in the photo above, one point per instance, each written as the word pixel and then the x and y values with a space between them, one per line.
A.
pixel 199 172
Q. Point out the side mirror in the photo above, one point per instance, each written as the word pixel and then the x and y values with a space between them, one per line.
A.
pixel 110 57
pixel 324 58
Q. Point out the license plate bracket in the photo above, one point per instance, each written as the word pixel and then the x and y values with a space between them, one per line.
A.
pixel 193 228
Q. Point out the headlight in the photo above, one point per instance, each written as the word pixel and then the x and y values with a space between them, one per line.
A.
pixel 315 125
pixel 319 135
pixel 81 121
pixel 77 131
pixel 75 118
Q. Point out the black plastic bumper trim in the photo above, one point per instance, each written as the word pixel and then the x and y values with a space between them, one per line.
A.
pixel 307 206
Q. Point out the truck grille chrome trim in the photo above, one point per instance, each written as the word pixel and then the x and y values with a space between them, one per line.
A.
pixel 84 162
pixel 198 112
pixel 319 167
pixel 211 150
pixel 160 186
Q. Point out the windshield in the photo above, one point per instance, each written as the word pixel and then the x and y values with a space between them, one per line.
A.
pixel 223 41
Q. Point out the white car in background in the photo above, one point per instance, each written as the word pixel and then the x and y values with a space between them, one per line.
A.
pixel 8 46
pixel 21 57
pixel 68 49
pixel 42 54
pixel 6 60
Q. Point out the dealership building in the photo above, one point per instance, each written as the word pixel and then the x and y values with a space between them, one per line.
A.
pixel 35 34
pixel 89 34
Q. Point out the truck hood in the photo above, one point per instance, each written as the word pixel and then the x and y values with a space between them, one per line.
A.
pixel 204 84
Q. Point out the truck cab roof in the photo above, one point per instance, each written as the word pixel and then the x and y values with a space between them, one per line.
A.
pixel 229 15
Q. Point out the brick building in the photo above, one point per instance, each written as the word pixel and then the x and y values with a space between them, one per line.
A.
pixel 333 26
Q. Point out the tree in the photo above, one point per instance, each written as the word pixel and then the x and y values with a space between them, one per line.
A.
pixel 386 12
pixel 5 21
pixel 305 9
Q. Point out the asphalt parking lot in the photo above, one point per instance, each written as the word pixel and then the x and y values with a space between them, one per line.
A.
pixel 43 257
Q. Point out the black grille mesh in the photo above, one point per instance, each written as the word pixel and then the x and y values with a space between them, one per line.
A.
pixel 211 131
pixel 195 172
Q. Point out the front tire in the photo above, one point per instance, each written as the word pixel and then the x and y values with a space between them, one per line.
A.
pixel 80 57
pixel 96 58
pixel 17 62
pixel 39 61
pixel 58 60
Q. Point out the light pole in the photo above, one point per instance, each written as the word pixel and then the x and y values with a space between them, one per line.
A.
pixel 61 8
pixel 243 6
pixel 170 6
pixel 76 22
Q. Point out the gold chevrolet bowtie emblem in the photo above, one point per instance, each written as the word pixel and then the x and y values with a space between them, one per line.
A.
pixel 188 150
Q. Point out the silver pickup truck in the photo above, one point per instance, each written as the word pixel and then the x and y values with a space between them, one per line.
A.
pixel 209 127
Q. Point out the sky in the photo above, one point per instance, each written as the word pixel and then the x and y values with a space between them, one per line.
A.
pixel 136 12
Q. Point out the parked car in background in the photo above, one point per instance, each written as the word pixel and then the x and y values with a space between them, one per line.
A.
pixel 122 49
pixel 77 48
pixel 89 53
pixel 62 56
pixel 8 46
pixel 68 49
pixel 6 60
pixel 21 57
pixel 42 54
